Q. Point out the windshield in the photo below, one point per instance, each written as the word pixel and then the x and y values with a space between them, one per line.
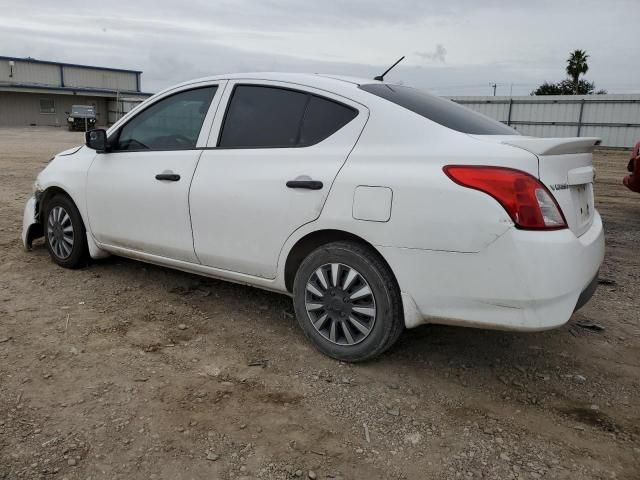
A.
pixel 439 110
pixel 83 110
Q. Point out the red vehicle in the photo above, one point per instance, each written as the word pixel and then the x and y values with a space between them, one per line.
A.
pixel 632 182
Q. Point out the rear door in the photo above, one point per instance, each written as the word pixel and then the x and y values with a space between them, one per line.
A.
pixel 273 154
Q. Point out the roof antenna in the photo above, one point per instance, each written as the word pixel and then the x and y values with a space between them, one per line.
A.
pixel 381 77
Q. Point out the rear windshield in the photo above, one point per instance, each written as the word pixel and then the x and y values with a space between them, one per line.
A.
pixel 439 110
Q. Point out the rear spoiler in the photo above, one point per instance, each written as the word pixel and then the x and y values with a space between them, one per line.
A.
pixel 554 146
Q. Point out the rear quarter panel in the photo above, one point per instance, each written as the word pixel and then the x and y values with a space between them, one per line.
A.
pixel 405 152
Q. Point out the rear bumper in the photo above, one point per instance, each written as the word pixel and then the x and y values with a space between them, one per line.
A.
pixel 524 280
pixel 587 293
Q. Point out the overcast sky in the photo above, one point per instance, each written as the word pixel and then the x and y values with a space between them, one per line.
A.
pixel 453 47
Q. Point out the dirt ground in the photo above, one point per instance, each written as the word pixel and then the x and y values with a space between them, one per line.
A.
pixel 124 370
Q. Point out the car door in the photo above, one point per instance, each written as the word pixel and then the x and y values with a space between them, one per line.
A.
pixel 274 152
pixel 138 192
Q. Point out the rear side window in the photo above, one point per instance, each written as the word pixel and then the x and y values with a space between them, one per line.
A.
pixel 263 117
pixel 272 117
pixel 439 110
pixel 323 118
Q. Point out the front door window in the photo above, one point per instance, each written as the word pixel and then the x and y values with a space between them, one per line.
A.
pixel 172 123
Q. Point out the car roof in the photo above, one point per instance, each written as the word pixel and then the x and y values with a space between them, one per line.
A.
pixel 339 84
pixel 344 86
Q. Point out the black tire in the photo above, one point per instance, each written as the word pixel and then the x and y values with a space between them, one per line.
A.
pixel 77 254
pixel 388 322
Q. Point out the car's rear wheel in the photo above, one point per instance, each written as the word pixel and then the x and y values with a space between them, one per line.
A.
pixel 347 302
pixel 65 235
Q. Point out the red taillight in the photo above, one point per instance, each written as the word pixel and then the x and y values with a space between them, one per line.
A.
pixel 527 201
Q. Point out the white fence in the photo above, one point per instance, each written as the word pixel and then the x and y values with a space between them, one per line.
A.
pixel 614 118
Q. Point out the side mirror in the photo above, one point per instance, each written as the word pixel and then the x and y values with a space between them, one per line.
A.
pixel 96 139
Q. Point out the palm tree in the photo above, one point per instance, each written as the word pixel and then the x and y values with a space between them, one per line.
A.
pixel 576 66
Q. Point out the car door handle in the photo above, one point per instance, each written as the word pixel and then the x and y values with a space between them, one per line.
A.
pixel 308 184
pixel 171 177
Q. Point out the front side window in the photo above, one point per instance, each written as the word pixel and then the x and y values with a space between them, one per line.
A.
pixel 172 123
pixel 439 110
pixel 47 105
pixel 272 117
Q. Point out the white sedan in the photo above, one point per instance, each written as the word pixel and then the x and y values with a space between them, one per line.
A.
pixel 375 206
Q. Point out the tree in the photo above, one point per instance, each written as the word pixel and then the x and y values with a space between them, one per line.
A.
pixel 583 87
pixel 567 87
pixel 548 88
pixel 576 66
pixel 574 85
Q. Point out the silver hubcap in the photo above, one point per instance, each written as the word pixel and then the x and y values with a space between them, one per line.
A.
pixel 340 304
pixel 60 232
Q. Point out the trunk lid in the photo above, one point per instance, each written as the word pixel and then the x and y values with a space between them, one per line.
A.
pixel 565 166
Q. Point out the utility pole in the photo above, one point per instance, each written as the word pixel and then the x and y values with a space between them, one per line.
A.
pixel 494 85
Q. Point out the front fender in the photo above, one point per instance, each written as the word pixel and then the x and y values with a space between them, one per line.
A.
pixel 67 172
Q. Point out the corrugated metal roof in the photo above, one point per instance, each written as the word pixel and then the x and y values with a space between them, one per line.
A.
pixel 49 62
pixel 14 87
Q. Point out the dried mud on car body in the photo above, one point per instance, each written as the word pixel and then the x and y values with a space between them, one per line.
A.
pixel 131 371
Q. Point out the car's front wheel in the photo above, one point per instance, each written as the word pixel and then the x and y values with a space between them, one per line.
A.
pixel 65 234
pixel 347 302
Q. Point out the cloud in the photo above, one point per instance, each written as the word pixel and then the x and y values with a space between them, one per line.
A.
pixel 485 41
pixel 438 55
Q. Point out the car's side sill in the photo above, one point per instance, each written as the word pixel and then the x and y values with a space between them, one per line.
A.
pixel 229 276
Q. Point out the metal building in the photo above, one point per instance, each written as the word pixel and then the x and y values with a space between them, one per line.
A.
pixel 614 118
pixel 38 92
